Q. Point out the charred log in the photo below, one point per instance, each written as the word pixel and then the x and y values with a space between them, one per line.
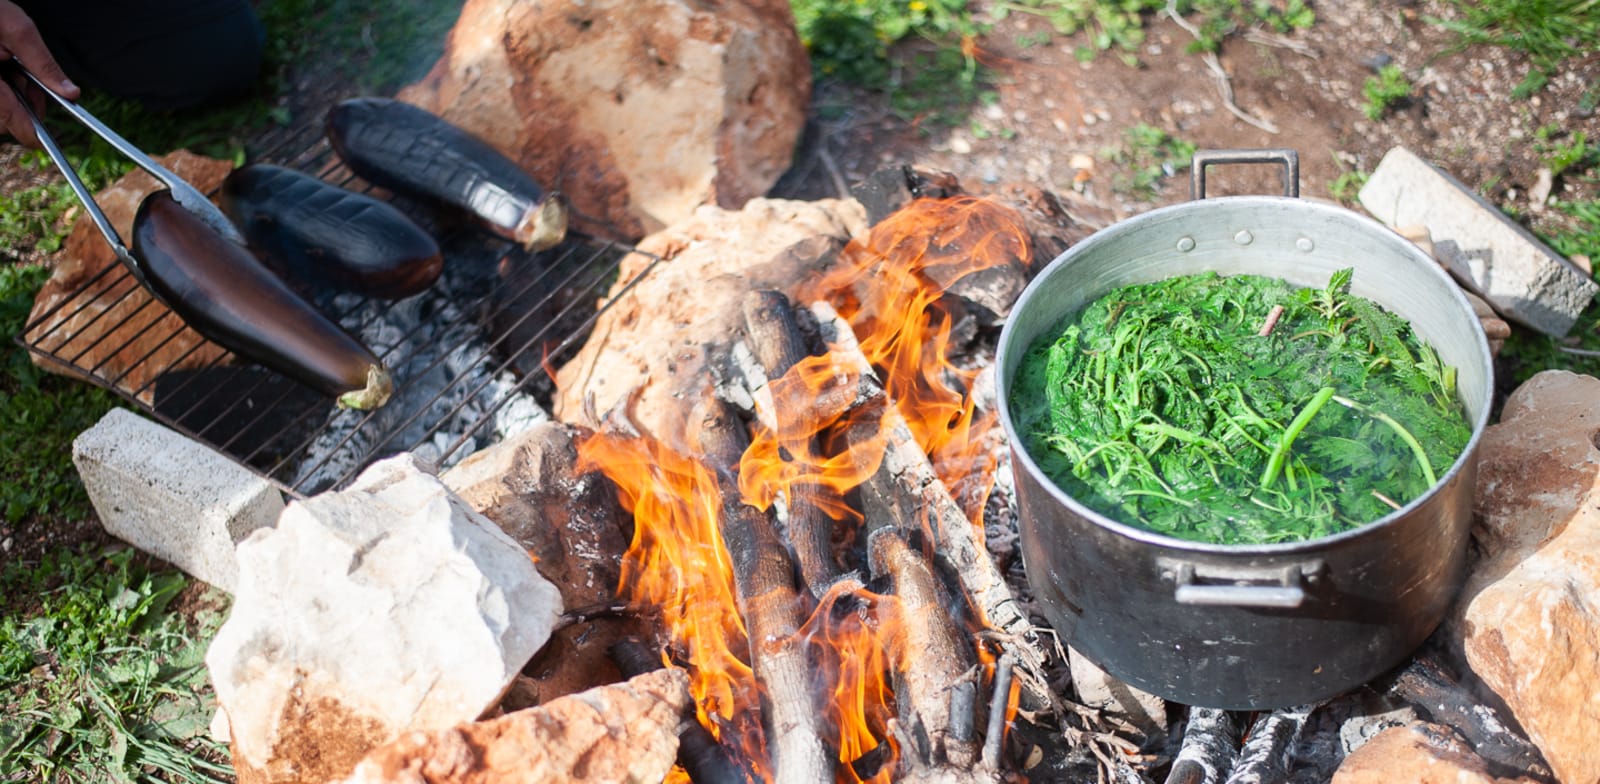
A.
pixel 770 606
pixel 933 658
pixel 922 503
pixel 994 736
pixel 1425 683
pixel 778 345
pixel 699 754
pixel 1210 748
pixel 1269 749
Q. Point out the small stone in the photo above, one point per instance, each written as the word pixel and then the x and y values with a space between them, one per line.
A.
pixel 960 146
pixel 1098 689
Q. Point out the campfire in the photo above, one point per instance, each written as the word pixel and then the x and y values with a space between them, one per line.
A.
pixel 843 484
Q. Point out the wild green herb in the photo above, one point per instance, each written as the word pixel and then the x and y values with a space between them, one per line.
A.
pixel 1161 405
pixel 1388 89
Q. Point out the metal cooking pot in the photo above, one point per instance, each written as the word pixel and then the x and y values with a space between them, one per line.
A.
pixel 1249 626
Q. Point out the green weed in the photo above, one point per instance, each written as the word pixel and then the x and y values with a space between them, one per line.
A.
pixel 42 412
pixel 104 683
pixel 1347 185
pixel 851 39
pixel 1388 89
pixel 1548 32
pixel 1151 155
pixel 1118 25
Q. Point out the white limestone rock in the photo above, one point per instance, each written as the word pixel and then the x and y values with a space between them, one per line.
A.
pixel 384 608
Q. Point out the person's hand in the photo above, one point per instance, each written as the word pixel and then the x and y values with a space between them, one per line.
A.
pixel 19 38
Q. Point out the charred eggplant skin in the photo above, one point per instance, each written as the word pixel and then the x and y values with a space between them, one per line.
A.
pixel 225 294
pixel 410 150
pixel 320 234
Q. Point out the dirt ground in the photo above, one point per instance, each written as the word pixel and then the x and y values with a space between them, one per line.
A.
pixel 1307 87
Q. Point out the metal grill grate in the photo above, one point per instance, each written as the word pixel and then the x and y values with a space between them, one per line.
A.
pixel 468 356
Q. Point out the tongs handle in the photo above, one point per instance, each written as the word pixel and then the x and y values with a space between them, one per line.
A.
pixel 78 188
pixel 185 194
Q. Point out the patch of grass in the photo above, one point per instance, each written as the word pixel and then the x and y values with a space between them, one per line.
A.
pixel 1347 185
pixel 42 412
pixel 1150 155
pixel 1118 25
pixel 103 682
pixel 1548 32
pixel 851 39
pixel 1386 90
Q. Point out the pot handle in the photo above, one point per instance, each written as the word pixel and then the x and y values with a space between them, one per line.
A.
pixel 1240 587
pixel 1290 159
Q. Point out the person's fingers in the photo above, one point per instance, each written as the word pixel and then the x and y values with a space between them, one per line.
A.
pixel 20 38
pixel 14 120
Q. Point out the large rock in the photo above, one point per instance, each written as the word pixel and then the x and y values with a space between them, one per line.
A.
pixel 1529 622
pixel 637 110
pixel 653 346
pixel 1417 754
pixel 573 525
pixel 366 613
pixel 94 317
pixel 625 733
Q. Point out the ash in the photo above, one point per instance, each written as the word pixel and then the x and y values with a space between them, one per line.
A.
pixel 452 395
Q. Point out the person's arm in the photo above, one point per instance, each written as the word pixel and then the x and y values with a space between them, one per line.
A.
pixel 19 38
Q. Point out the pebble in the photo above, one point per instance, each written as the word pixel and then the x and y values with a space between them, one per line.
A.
pixel 993 111
pixel 960 146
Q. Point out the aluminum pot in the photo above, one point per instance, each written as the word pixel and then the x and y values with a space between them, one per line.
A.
pixel 1248 627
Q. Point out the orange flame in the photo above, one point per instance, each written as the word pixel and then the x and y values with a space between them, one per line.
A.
pixel 677 565
pixel 856 636
pixel 890 285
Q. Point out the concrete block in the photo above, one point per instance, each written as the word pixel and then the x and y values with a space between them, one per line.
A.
pixel 172 496
pixel 1527 281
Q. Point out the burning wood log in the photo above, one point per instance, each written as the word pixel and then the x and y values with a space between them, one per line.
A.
pixel 933 659
pixel 776 341
pixel 699 754
pixel 1210 748
pixel 1269 749
pixel 905 480
pixel 770 606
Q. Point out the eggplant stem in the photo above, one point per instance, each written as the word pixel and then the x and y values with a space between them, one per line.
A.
pixel 544 225
pixel 377 391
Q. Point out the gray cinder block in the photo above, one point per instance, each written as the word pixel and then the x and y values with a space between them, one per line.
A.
pixel 172 496
pixel 1527 281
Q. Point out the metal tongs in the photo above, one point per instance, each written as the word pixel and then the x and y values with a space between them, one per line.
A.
pixel 187 196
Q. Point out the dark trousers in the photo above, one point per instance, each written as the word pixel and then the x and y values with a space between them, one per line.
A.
pixel 167 54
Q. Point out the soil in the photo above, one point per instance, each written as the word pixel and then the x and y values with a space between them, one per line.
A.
pixel 1056 120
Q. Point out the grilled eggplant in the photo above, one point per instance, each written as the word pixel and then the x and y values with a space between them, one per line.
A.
pixel 410 150
pixel 315 232
pixel 228 296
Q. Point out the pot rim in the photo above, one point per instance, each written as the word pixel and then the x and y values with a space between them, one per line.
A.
pixel 1403 247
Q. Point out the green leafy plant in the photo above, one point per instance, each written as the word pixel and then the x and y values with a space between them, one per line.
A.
pixel 105 683
pixel 851 39
pixel 1347 185
pixel 1165 406
pixel 1384 91
pixel 1549 32
pixel 1150 155
pixel 1118 25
